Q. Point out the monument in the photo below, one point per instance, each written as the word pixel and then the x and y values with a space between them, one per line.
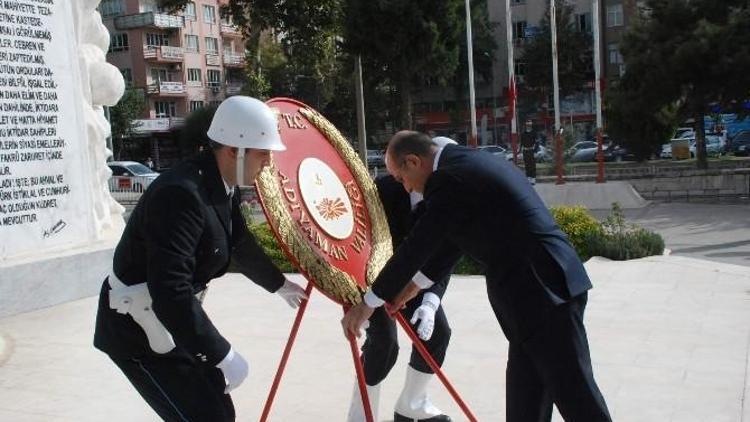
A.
pixel 58 222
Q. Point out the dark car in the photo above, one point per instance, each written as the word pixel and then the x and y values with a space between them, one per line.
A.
pixel 617 153
pixel 741 143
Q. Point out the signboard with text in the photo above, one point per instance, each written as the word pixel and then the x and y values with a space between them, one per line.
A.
pixel 43 154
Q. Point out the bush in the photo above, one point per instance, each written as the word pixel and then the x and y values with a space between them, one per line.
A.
pixel 620 241
pixel 267 241
pixel 468 266
pixel 579 225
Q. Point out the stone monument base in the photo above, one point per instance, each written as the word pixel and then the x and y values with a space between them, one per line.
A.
pixel 42 281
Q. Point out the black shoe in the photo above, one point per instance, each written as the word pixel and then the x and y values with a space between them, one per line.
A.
pixel 438 418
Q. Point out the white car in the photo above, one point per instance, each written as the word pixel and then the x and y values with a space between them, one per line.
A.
pixel 130 176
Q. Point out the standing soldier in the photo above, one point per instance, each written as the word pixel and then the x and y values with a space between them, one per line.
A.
pixel 180 236
pixel 528 142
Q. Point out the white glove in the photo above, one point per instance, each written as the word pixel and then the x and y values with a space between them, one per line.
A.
pixel 292 293
pixel 235 370
pixel 426 313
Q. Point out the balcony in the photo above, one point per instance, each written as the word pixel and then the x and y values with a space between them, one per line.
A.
pixel 229 30
pixel 149 20
pixel 213 59
pixel 233 88
pixel 167 89
pixel 160 124
pixel 234 60
pixel 163 54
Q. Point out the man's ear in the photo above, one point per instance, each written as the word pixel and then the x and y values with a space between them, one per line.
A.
pixel 413 160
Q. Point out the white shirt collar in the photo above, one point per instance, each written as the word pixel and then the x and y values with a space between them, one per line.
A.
pixel 227 188
pixel 415 198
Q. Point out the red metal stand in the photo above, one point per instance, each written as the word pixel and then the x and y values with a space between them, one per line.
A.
pixel 358 365
pixel 285 355
pixel 435 367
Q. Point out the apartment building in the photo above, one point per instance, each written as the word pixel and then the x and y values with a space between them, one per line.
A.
pixel 577 113
pixel 181 62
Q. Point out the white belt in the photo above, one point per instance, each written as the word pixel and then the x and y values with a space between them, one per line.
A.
pixel 135 300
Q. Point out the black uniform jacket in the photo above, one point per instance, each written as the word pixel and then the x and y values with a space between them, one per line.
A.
pixel 181 236
pixel 401 219
pixel 485 207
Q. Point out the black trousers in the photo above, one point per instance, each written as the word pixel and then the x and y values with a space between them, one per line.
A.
pixel 529 163
pixel 553 365
pixel 380 350
pixel 179 388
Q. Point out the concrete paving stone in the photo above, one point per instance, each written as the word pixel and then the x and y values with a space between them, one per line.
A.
pixel 651 364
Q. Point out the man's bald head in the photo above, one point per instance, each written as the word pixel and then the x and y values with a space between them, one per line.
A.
pixel 408 142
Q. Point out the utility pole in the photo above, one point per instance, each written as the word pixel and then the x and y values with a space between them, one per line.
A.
pixel 472 99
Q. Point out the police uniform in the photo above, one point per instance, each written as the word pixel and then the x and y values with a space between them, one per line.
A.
pixel 180 236
pixel 380 349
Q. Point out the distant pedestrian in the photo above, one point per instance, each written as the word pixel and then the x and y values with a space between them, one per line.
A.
pixel 528 142
pixel 149 163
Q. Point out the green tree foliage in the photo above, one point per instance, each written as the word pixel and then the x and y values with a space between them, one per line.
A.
pixel 574 57
pixel 411 41
pixel 681 57
pixel 122 116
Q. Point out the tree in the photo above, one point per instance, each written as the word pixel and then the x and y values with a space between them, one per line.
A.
pixel 686 56
pixel 122 118
pixel 574 57
pixel 411 41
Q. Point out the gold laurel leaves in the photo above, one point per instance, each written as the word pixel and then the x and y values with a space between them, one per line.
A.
pixel 332 281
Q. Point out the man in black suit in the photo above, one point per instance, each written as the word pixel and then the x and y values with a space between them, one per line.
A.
pixel 536 283
pixel 181 235
pixel 380 350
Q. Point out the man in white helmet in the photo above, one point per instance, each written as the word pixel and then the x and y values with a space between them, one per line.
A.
pixel 179 237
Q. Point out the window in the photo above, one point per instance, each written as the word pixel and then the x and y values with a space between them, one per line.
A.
pixel 110 8
pixel 644 12
pixel 194 77
pixel 209 14
pixel 127 75
pixel 214 78
pixel 519 1
pixel 159 75
pixel 157 39
pixel 189 12
pixel 118 42
pixel 519 30
pixel 614 54
pixel 165 109
pixel 195 105
pixel 212 45
pixel 614 15
pixel 583 23
pixel 520 68
pixel 214 103
pixel 191 43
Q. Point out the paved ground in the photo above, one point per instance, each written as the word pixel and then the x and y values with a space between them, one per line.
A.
pixel 713 231
pixel 669 339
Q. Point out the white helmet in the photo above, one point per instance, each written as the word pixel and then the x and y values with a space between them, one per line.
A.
pixel 245 122
pixel 442 141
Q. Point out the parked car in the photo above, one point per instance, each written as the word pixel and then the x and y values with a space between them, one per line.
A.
pixel 741 143
pixel 617 153
pixel 375 158
pixel 666 151
pixel 542 154
pixel 130 176
pixel 496 150
pixel 581 151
